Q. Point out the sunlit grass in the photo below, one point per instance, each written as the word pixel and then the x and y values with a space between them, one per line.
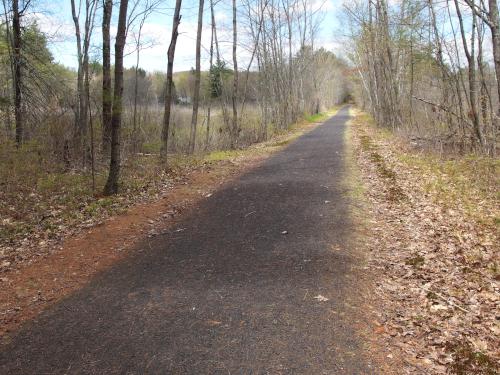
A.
pixel 222 155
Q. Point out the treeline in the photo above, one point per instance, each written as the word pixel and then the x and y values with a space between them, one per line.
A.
pixel 102 112
pixel 431 69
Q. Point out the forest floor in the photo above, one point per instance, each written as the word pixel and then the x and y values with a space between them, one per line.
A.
pixel 432 230
pixel 56 234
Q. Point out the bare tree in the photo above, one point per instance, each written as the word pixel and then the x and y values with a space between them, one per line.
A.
pixel 168 84
pixel 410 58
pixel 18 73
pixel 471 60
pixel 107 95
pixel 197 80
pixel 114 166
pixel 234 132
pixel 494 24
pixel 83 46
pixel 211 62
pixel 149 7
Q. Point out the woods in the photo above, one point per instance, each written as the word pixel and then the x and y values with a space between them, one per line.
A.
pixel 78 125
pixel 429 69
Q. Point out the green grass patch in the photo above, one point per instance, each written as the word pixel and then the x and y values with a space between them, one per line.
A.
pixel 318 117
pixel 222 155
pixel 322 116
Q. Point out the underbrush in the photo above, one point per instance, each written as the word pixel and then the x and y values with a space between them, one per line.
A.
pixel 38 201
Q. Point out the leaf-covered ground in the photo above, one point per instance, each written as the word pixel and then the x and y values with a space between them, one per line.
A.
pixel 432 233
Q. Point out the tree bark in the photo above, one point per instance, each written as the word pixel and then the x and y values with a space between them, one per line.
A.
pixel 136 85
pixel 207 135
pixel 18 73
pixel 107 96
pixel 168 84
pixel 495 37
pixel 470 55
pixel 197 79
pixel 114 166
pixel 234 127
pixel 81 105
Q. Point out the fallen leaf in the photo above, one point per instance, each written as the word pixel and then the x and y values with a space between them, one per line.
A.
pixel 213 323
pixel 320 298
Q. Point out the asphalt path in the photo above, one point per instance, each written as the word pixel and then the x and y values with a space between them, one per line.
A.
pixel 230 290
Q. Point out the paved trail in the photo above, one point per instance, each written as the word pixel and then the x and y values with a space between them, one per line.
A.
pixel 229 294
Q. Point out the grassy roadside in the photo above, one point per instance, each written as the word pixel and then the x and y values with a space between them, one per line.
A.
pixel 39 206
pixel 432 247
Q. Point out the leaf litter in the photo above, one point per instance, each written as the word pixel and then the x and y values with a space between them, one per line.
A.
pixel 437 295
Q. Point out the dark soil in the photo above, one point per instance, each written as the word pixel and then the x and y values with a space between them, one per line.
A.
pixel 228 290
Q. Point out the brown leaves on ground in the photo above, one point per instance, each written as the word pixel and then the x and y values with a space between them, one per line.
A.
pixel 437 292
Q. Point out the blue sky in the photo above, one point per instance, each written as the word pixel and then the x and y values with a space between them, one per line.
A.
pixel 54 17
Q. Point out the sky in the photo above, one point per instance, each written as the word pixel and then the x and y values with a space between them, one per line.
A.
pixel 54 18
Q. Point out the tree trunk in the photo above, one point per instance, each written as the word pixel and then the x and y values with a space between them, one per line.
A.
pixel 197 79
pixel 136 85
pixel 81 107
pixel 106 78
pixel 18 73
pixel 114 166
pixel 234 128
pixel 470 55
pixel 90 11
pixel 207 136
pixel 168 84
pixel 218 59
pixel 83 47
pixel 495 37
